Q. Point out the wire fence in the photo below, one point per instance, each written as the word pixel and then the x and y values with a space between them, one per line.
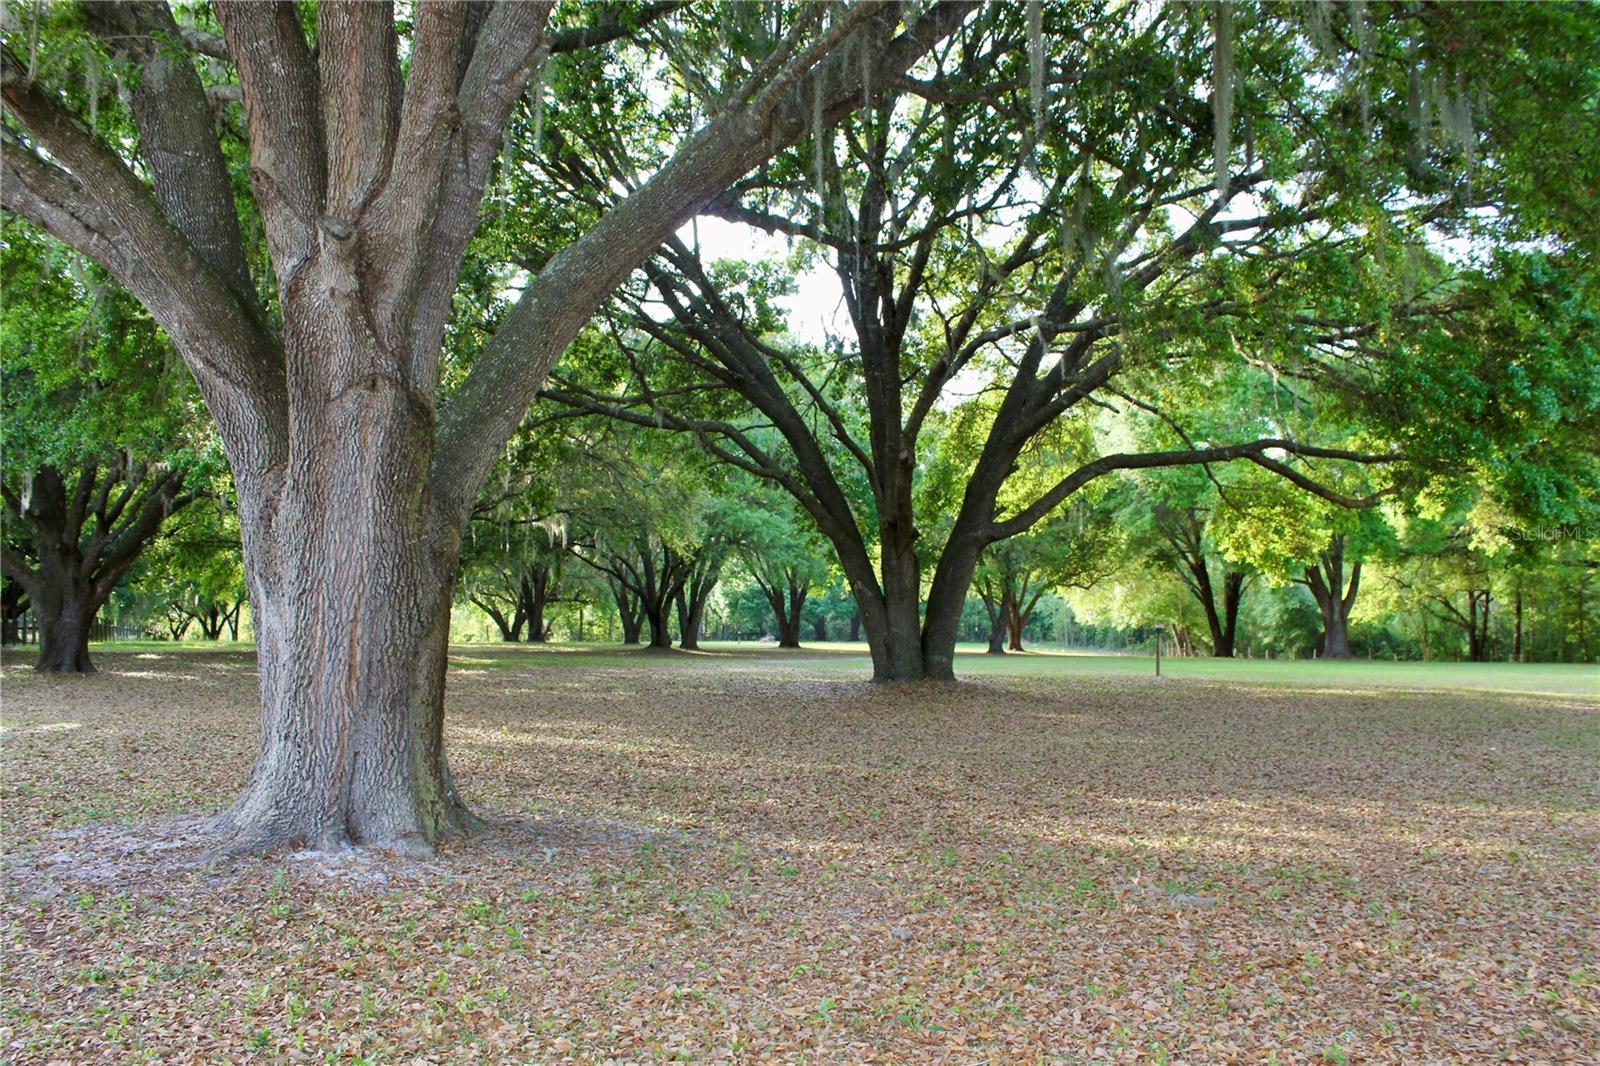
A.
pixel 27 631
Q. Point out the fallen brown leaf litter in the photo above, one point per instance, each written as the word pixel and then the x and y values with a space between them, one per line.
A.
pixel 759 859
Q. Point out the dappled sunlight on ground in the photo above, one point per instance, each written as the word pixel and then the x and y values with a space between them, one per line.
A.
pixel 753 855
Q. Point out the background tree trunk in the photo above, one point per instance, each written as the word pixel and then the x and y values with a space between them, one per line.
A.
pixel 1516 633
pixel 536 594
pixel 13 605
pixel 998 626
pixel 1232 594
pixel 1325 579
pixel 84 538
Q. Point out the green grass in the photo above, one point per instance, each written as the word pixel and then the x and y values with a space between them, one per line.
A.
pixel 849 660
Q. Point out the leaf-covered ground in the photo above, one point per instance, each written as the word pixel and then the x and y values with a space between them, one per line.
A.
pixel 757 857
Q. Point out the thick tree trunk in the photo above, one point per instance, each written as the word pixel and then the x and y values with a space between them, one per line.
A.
pixel 998 610
pixel 947 598
pixel 330 422
pixel 65 615
pixel 84 539
pixel 212 619
pixel 1335 628
pixel 632 626
pixel 658 614
pixel 788 632
pixel 352 626
pixel 692 596
pixel 785 590
pixel 510 628
pixel 629 610
pixel 819 629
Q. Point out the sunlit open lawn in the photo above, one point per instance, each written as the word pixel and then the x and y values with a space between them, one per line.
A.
pixel 752 855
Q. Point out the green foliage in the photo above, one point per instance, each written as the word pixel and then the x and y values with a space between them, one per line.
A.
pixel 86 371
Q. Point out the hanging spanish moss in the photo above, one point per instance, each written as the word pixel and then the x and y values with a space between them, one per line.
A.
pixel 1362 30
pixel 91 77
pixel 1074 237
pixel 1414 103
pixel 538 107
pixel 816 139
pixel 1319 25
pixel 1222 93
pixel 1036 67
pixel 555 530
pixel 1411 269
pixel 1455 116
pixel 865 51
pixel 33 44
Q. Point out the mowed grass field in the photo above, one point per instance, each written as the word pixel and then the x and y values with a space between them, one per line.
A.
pixel 748 855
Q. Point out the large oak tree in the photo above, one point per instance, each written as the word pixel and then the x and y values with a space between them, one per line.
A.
pixel 1086 208
pixel 370 142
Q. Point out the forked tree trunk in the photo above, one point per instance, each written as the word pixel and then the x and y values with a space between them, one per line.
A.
pixel 1325 579
pixel 1225 642
pixel 658 615
pixel 692 598
pixel 1013 634
pixel 946 600
pixel 788 632
pixel 1017 617
pixel 85 536
pixel 786 590
pixel 629 610
pixel 893 623
pixel 632 625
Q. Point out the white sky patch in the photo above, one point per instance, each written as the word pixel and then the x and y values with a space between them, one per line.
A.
pixel 815 309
